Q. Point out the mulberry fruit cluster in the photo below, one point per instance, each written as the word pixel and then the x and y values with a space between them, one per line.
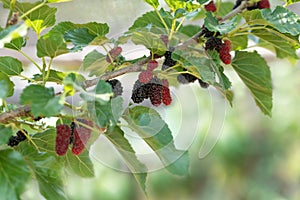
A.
pixel 223 48
pixel 15 140
pixel 211 6
pixel 156 90
pixel 262 4
pixel 116 86
pixel 73 134
pixel 113 53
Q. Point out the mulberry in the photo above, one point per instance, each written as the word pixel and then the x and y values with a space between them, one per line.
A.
pixel 203 84
pixel 63 135
pixel 263 4
pixel 15 140
pixel 224 52
pixel 168 62
pixel 139 92
pixel 210 7
pixel 166 95
pixel 81 137
pixel 151 65
pixel 116 85
pixel 115 52
pixel 186 78
pixel 213 43
pixel 207 33
pixel 145 76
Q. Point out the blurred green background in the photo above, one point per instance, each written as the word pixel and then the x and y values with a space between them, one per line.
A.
pixel 256 157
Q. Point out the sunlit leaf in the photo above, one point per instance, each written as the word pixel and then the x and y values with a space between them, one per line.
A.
pixel 255 73
pixel 11 33
pixel 153 3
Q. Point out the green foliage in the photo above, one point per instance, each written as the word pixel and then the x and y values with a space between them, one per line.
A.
pixel 255 73
pixel 14 174
pixel 155 132
pixel 10 66
pixel 6 86
pixel 42 100
pixel 6 132
pixel 159 31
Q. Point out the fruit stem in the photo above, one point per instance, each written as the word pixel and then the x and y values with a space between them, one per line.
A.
pixel 162 20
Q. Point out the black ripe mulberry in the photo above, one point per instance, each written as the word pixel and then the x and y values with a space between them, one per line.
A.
pixel 139 92
pixel 203 84
pixel 213 43
pixel 168 62
pixel 155 91
pixel 15 140
pixel 116 87
pixel 186 78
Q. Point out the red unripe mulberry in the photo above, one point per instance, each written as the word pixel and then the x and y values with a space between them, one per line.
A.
pixel 63 135
pixel 210 7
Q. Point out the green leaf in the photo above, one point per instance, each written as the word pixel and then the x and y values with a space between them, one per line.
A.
pixel 14 174
pixel 95 62
pixel 239 42
pixel 208 68
pixel 44 165
pixel 79 37
pixel 72 82
pixel 150 40
pixel 225 8
pixel 153 3
pixel 107 114
pixel 54 76
pixel 283 20
pixel 81 165
pixel 255 73
pixel 40 18
pixel 147 123
pixel 10 66
pixel 202 1
pixel 190 30
pixel 151 19
pixel 175 4
pixel 116 137
pixel 51 45
pixel 11 33
pixel 212 24
pixel 16 44
pixel 6 86
pixel 42 100
pixel 5 133
pixel 281 46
